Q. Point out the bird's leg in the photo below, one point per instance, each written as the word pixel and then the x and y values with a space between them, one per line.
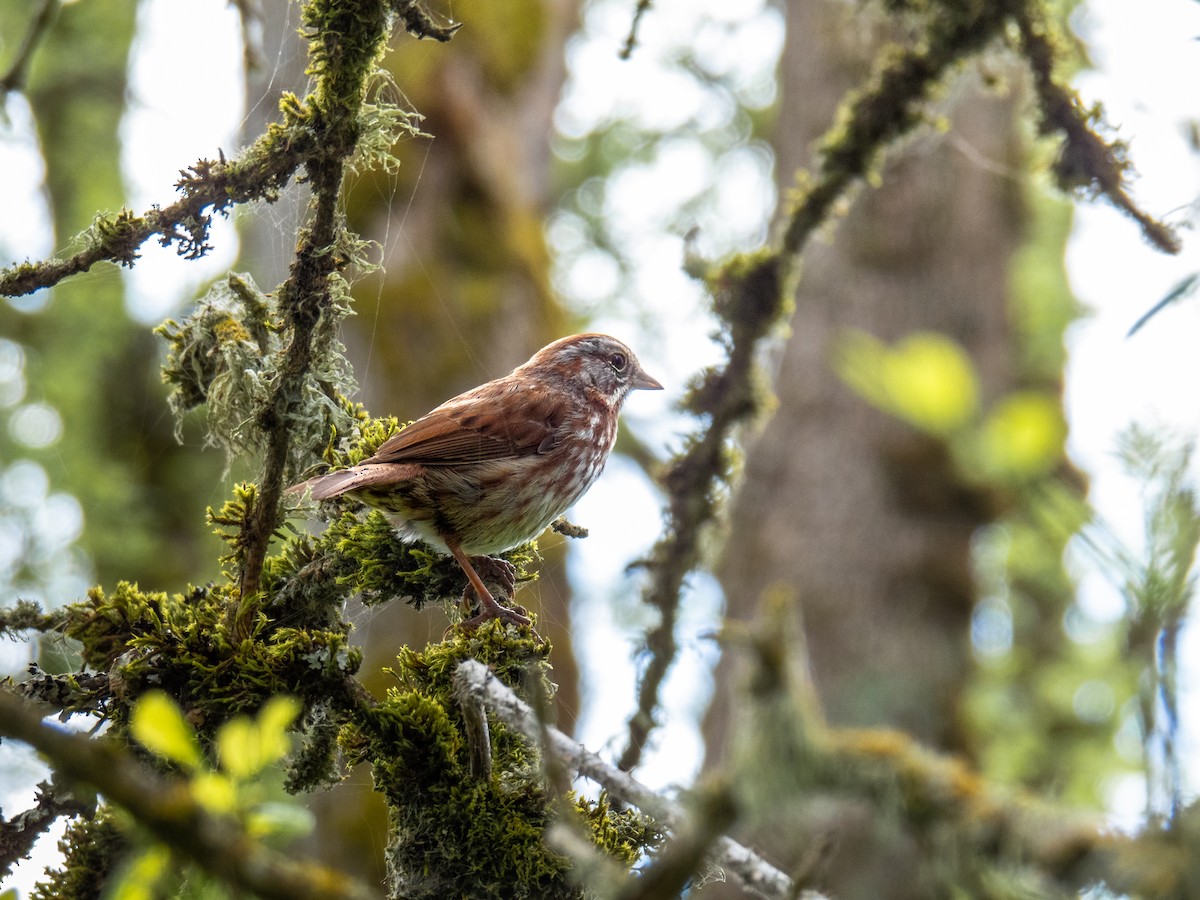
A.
pixel 489 608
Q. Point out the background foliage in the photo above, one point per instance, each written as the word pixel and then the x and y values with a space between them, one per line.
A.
pixel 926 592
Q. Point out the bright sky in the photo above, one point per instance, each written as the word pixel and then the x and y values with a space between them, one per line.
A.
pixel 1148 60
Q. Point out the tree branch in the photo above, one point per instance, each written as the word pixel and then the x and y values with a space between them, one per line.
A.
pixel 259 173
pixel 475 684
pixel 752 293
pixel 20 833
pixel 347 38
pixel 168 810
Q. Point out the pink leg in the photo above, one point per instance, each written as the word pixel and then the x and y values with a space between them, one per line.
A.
pixel 490 609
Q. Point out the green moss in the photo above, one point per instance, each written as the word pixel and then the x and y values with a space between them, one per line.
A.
pixel 91 850
pixel 453 835
pixel 181 644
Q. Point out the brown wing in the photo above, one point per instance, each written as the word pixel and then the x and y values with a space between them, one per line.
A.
pixel 500 420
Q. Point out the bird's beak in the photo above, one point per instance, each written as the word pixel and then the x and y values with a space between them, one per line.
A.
pixel 643 382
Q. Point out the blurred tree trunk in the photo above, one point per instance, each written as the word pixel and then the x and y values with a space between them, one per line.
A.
pixel 464 294
pixel 144 494
pixel 859 519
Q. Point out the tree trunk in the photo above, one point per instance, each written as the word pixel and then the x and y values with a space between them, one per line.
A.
pixel 858 518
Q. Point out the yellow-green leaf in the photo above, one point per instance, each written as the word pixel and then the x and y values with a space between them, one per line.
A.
pixel 931 383
pixel 215 792
pixel 285 821
pixel 140 876
pixel 159 726
pixel 926 380
pixel 245 747
pixel 1023 436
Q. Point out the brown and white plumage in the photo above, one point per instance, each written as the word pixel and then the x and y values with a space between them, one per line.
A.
pixel 493 467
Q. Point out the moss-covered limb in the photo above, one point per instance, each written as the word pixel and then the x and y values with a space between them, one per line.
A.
pixel 345 41
pixel 750 299
pixel 39 24
pixel 887 107
pixel 18 834
pixel 473 683
pixel 73 692
pixel 942 796
pixel 456 833
pixel 29 616
pixel 182 645
pixel 712 813
pixel 208 187
pixel 170 811
pixel 751 293
pixel 1086 160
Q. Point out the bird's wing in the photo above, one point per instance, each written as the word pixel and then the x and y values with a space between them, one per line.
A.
pixel 500 420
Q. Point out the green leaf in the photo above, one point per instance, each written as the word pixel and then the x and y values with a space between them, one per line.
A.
pixel 1023 436
pixel 931 383
pixel 159 726
pixel 245 747
pixel 927 380
pixel 285 821
pixel 215 792
pixel 141 876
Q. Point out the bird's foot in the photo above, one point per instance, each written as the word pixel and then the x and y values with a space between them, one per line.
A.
pixel 490 609
pixel 508 615
pixel 498 571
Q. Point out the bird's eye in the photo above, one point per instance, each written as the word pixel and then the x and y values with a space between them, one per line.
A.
pixel 618 361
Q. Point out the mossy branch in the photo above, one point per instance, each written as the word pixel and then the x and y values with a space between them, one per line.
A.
pixel 208 187
pixel 29 616
pixel 1086 162
pixel 346 39
pixel 475 685
pixel 172 813
pixel 20 833
pixel 39 25
pixel 752 293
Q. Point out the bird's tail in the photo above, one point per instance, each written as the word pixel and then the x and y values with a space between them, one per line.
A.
pixel 331 484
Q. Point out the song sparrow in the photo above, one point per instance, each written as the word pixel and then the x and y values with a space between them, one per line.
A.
pixel 492 468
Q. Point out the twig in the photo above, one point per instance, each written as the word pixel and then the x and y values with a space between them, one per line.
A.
pixel 257 174
pixel 20 833
pixel 631 41
pixel 29 616
pixel 475 729
pixel 169 810
pixel 1086 159
pixel 472 679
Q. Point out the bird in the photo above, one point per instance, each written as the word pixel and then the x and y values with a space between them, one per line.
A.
pixel 490 469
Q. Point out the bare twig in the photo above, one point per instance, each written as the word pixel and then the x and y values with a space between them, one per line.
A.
pixel 631 41
pixel 475 728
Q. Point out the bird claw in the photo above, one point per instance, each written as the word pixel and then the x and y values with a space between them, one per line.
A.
pixel 502 574
pixel 498 571
pixel 508 615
